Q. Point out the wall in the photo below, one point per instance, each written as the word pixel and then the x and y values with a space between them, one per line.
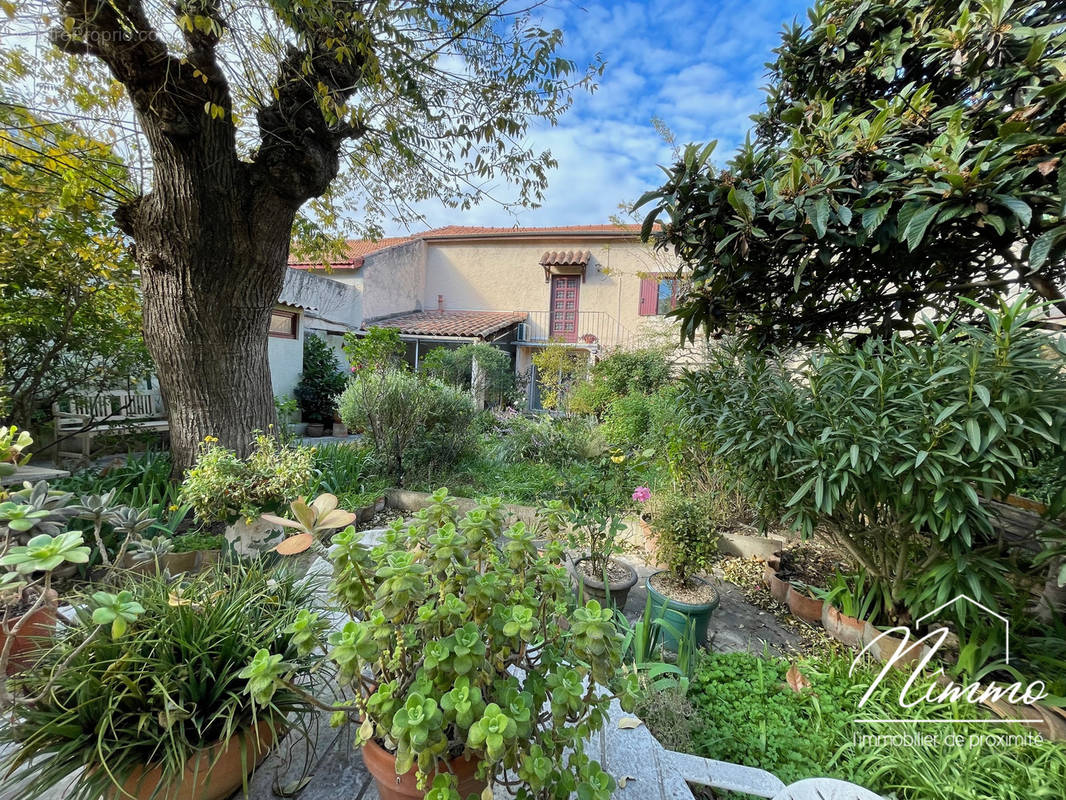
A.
pixel 286 357
pixel 393 280
pixel 503 275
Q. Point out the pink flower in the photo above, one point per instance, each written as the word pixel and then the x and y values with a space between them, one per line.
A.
pixel 642 494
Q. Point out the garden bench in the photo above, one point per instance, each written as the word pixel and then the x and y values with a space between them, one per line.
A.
pixel 114 412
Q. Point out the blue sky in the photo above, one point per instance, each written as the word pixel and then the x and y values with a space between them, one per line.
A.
pixel 696 64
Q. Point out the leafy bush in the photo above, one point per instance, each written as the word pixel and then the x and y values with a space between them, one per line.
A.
pixel 165 688
pixel 540 437
pixel 454 366
pixel 686 529
pixel 320 382
pixel 141 480
pixel 223 486
pixel 887 444
pixel 627 420
pixel 620 374
pixel 559 368
pixel 341 468
pixel 406 415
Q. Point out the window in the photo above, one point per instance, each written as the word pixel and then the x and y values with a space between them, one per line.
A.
pixel 283 324
pixel 658 294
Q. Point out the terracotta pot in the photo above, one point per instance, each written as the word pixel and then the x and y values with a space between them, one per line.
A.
pixel 808 609
pixel 595 588
pixel 885 647
pixel 216 773
pixel 846 630
pixel 382 765
pixel 779 588
pixel 179 562
pixel 207 558
pixel 35 634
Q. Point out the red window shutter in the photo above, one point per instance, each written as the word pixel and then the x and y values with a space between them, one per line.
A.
pixel 649 296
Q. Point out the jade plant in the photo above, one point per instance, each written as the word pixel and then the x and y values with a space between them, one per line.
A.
pixel 457 646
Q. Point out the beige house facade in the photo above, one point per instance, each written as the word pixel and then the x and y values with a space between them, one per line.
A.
pixel 598 288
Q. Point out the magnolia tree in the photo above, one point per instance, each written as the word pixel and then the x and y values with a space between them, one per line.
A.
pixel 910 152
pixel 244 114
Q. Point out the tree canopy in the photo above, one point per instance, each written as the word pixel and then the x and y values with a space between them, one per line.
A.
pixel 909 154
pixel 68 301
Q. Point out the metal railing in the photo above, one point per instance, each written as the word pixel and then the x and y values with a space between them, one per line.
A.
pixel 595 329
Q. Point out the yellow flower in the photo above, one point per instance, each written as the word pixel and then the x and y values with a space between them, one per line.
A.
pixel 618 459
pixel 173 508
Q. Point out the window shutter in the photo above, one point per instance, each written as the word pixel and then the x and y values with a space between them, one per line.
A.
pixel 649 296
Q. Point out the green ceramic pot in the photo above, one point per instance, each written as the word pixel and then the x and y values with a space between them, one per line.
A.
pixel 677 615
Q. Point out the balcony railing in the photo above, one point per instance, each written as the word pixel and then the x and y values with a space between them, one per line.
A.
pixel 595 329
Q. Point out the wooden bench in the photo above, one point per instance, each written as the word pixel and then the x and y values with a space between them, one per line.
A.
pixel 115 412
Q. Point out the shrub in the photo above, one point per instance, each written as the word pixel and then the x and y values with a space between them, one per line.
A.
pixel 627 420
pixel 539 437
pixel 686 529
pixel 223 486
pixel 455 367
pixel 408 415
pixel 620 374
pixel 320 382
pixel 888 443
pixel 558 369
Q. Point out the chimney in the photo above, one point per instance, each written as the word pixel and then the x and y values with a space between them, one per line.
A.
pixel 440 303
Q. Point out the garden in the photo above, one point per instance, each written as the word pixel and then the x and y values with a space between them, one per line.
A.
pixel 873 466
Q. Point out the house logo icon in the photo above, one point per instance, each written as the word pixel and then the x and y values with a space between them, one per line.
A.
pixel 966 598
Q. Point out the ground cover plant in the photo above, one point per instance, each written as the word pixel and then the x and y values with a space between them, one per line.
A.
pixel 802 720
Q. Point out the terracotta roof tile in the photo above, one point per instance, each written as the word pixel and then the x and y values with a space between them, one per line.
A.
pixel 450 323
pixel 565 258
pixel 354 252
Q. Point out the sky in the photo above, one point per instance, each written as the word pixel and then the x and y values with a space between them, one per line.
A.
pixel 698 65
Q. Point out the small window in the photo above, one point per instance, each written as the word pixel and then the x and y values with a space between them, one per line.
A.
pixel 658 295
pixel 283 324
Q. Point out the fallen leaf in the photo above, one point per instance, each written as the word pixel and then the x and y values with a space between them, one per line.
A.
pixel 293 788
pixel 1047 167
pixel 295 544
pixel 796 680
pixel 627 723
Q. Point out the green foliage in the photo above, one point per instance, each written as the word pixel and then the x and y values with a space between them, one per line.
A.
pixel 43 553
pixel 627 421
pixel 875 186
pixel 454 366
pixel 686 531
pixel 140 480
pixel 888 444
pixel 376 350
pixel 192 542
pixel 559 368
pixel 69 308
pixel 514 436
pixel 320 382
pixel 748 714
pixel 622 373
pixel 223 486
pixel 164 689
pixel 442 611
pixel 342 468
pixel 13 444
pixel 408 418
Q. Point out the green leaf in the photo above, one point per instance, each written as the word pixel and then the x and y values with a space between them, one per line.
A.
pixel 973 432
pixel 1040 249
pixel 873 217
pixel 916 228
pixel 819 216
pixel 1018 208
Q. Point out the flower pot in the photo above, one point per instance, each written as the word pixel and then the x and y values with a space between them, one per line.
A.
pixel 35 634
pixel 846 630
pixel 677 615
pixel 340 430
pixel 204 778
pixel 315 429
pixel 252 539
pixel 381 764
pixel 207 558
pixel 779 588
pixel 618 591
pixel 885 647
pixel 179 562
pixel 808 609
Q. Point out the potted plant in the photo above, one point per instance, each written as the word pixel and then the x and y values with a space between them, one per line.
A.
pixel 28 599
pixel 143 696
pixel 224 487
pixel 686 530
pixel 320 383
pixel 462 674
pixel 596 573
pixel 206 547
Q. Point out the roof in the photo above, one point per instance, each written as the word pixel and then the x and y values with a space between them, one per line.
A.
pixel 565 258
pixel 355 250
pixel 476 232
pixel 472 324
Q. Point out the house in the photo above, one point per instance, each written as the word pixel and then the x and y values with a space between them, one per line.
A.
pixel 596 287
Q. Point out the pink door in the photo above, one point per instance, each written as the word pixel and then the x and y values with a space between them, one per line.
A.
pixel 564 302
